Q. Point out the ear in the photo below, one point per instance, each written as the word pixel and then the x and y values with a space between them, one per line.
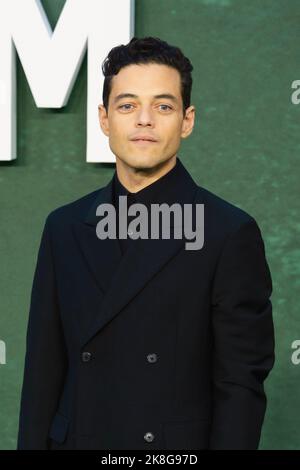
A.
pixel 103 119
pixel 188 122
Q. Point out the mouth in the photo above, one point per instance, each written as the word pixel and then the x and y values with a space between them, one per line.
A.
pixel 143 141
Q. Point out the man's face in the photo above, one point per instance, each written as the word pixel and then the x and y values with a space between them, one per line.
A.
pixel 146 115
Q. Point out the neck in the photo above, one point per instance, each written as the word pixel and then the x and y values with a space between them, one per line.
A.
pixel 135 179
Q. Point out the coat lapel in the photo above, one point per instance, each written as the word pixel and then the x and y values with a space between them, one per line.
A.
pixel 122 277
pixel 102 256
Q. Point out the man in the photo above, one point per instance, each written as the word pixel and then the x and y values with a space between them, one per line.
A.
pixel 140 343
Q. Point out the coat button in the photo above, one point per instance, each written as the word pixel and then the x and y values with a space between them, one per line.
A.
pixel 86 356
pixel 149 437
pixel 152 357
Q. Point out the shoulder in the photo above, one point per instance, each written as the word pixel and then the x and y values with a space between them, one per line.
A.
pixel 72 211
pixel 229 227
pixel 221 215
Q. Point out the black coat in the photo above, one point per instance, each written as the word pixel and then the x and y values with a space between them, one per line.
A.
pixel 161 348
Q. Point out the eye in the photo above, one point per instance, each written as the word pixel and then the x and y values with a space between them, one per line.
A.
pixel 122 106
pixel 166 105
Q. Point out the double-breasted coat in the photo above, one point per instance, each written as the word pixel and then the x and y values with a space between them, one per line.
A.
pixel 161 348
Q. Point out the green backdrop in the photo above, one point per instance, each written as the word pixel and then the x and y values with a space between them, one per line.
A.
pixel 244 147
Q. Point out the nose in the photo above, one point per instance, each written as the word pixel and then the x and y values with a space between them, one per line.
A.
pixel 145 117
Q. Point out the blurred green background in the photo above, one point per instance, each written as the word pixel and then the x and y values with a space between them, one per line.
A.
pixel 245 148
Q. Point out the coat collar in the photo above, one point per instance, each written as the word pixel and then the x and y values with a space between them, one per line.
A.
pixel 120 277
pixel 173 187
pixel 154 192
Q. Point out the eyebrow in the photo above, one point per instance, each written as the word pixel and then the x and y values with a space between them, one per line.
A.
pixel 131 95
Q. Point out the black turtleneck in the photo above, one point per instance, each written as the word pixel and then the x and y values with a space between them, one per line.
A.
pixel 151 193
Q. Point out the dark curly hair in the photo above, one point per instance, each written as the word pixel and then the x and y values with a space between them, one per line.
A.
pixel 144 51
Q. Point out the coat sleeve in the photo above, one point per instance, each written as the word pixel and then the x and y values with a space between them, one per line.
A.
pixel 243 340
pixel 46 358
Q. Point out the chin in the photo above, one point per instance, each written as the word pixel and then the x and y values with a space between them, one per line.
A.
pixel 142 162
